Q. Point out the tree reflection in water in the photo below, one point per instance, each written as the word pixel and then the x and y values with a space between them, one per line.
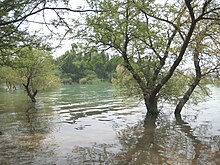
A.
pixel 97 154
pixel 143 147
pixel 24 132
pixel 167 142
pixel 156 141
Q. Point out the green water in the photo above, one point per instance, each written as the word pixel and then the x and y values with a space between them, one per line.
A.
pixel 91 124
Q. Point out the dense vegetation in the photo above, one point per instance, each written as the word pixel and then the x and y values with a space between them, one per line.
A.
pixel 83 65
pixel 32 69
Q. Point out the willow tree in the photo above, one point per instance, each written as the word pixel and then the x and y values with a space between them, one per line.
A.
pixel 33 69
pixel 205 56
pixel 36 70
pixel 9 76
pixel 156 41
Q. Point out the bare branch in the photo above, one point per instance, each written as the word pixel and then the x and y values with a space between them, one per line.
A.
pixel 46 8
pixel 191 12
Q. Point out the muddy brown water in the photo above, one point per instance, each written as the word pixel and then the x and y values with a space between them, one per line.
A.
pixel 92 124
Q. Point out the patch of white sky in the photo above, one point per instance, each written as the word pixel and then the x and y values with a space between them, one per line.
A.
pixel 36 24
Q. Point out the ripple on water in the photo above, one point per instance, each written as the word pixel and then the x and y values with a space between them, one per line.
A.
pixel 82 125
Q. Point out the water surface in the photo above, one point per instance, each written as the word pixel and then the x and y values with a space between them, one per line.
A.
pixel 92 124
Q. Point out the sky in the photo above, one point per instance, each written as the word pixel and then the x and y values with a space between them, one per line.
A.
pixel 43 30
pixel 66 45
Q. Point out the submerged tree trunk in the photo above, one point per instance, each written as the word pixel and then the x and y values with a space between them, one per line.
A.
pixel 191 88
pixel 31 92
pixel 151 104
pixel 186 97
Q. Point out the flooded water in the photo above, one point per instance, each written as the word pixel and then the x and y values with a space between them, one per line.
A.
pixel 91 124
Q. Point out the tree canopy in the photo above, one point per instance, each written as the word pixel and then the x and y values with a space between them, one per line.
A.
pixel 32 68
pixel 17 18
pixel 158 40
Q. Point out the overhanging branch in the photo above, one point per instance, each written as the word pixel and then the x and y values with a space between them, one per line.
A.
pixel 47 8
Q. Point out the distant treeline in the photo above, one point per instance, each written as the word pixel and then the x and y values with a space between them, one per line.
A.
pixel 87 66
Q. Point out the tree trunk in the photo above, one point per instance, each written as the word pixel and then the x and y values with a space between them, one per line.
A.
pixel 189 92
pixel 31 93
pixel 197 78
pixel 185 98
pixel 151 104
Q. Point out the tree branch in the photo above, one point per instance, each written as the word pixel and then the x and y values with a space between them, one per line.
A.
pixel 47 8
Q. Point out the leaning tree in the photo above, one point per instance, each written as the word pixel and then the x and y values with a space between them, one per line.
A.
pixel 158 41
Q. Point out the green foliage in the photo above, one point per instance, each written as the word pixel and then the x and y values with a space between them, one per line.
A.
pixel 90 78
pixel 33 63
pixel 15 31
pixel 86 65
pixel 124 82
pixel 158 41
pixel 40 65
pixel 9 75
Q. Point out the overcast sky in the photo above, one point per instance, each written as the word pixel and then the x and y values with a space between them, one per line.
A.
pixel 43 30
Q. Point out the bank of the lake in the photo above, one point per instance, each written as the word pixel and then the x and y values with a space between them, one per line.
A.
pixel 92 124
